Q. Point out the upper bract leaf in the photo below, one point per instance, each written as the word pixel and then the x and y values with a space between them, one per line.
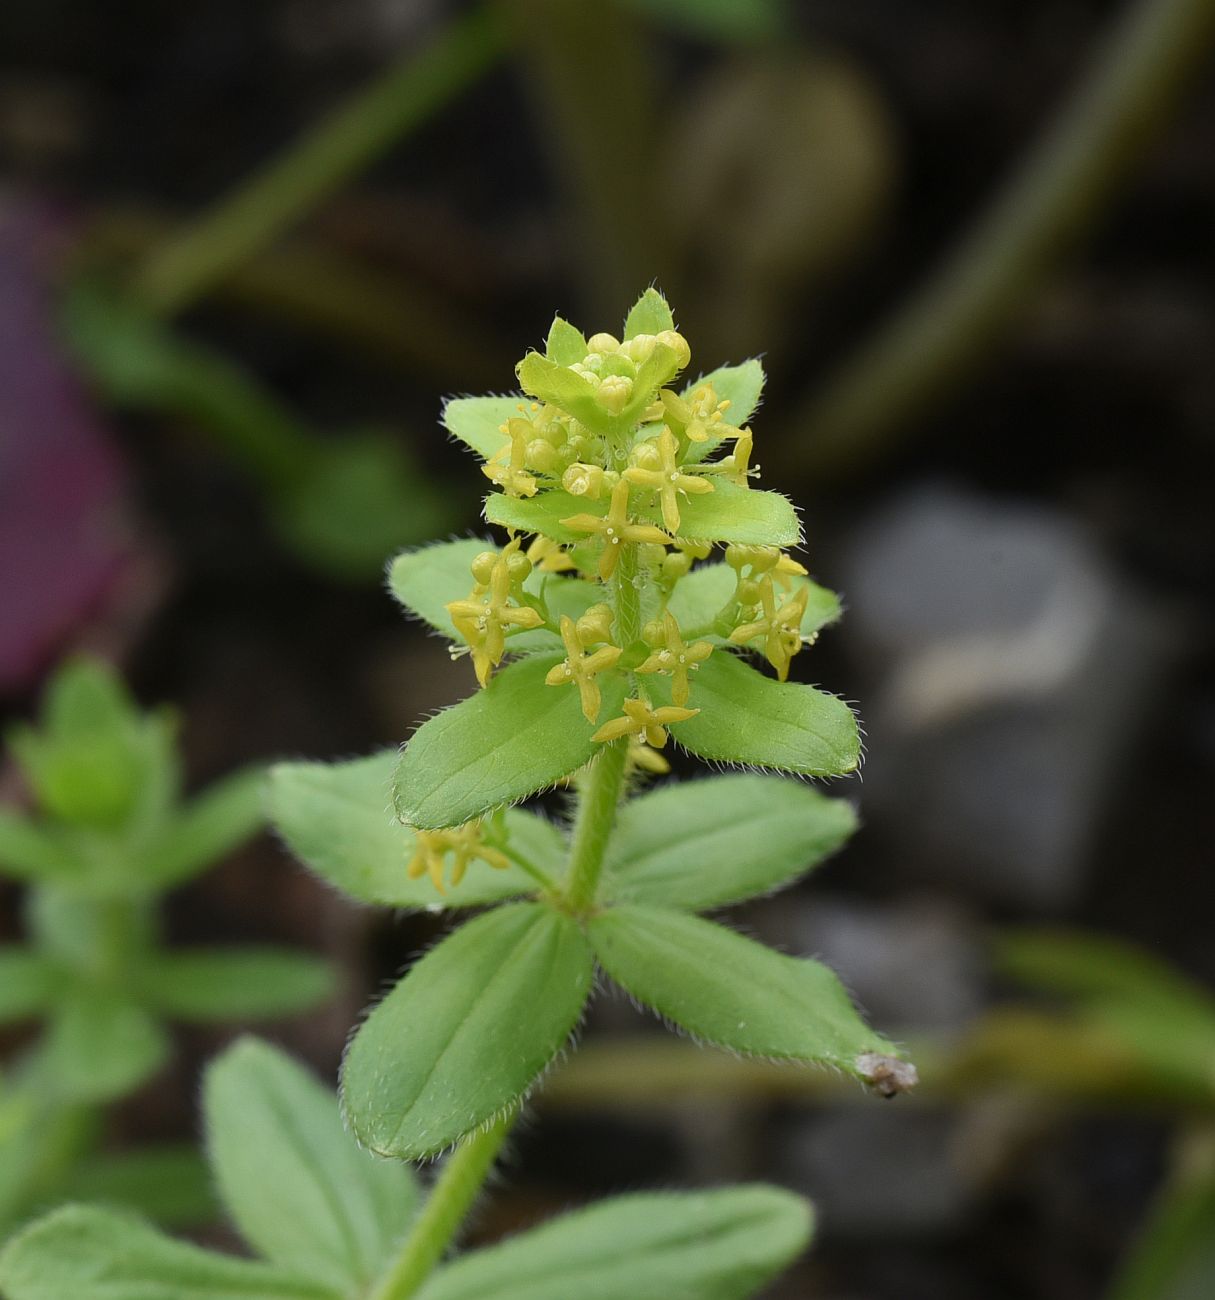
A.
pixel 298 1188
pixel 703 844
pixel 746 717
pixel 701 596
pixel 718 1245
pixel 741 386
pixel 478 421
pixel 337 819
pixel 566 344
pixel 736 514
pixel 466 1033
pixel 505 742
pixel 730 990
pixel 564 388
pixel 650 314
pixel 83 1253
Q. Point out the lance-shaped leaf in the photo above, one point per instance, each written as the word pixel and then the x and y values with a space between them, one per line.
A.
pixel 542 513
pixel 742 387
pixel 206 830
pixel 301 1192
pixel 83 1253
pixel 466 1033
pixel 28 983
pixel 101 1045
pixel 337 818
pixel 703 844
pixel 426 580
pixel 241 984
pixel 650 314
pixel 718 1245
pixel 736 514
pixel 704 593
pixel 746 717
pixel 566 344
pixel 478 421
pixel 565 388
pixel 505 742
pixel 31 852
pixel 732 991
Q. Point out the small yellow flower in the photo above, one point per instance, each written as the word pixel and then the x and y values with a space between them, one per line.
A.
pixel 547 556
pixel 697 417
pixel 466 844
pixel 487 616
pixel 641 719
pixel 642 758
pixel 581 668
pixel 737 465
pixel 615 528
pixel 780 628
pixel 508 467
pixel 675 659
pixel 656 467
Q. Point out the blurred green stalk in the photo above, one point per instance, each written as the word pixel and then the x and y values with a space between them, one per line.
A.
pixel 358 132
pixel 1136 78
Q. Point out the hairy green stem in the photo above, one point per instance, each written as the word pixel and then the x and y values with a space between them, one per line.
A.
pixel 596 813
pixel 1136 78
pixel 357 133
pixel 450 1199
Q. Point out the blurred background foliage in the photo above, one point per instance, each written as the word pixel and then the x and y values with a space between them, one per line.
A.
pixel 244 252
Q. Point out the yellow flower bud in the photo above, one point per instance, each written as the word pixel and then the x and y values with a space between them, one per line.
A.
pixel 678 344
pixel 614 393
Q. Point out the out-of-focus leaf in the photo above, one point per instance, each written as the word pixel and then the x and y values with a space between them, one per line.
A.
pixel 206 830
pixel 467 1032
pixel 726 21
pixel 169 1184
pixel 29 851
pixel 101 1046
pixel 241 984
pixel 83 1253
pixel 28 983
pixel 718 1245
pixel 300 1191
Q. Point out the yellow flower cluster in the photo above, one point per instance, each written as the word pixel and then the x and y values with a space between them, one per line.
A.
pixel 645 473
pixel 465 843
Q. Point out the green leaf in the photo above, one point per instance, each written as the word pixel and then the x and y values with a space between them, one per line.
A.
pixel 237 984
pixel 83 1253
pixel 206 830
pixel 466 1033
pixel 703 594
pixel 566 344
pixel 736 514
pixel 1173 1257
pixel 354 499
pixel 742 386
pixel 731 991
pixel 168 1183
pixel 746 717
pixel 29 983
pixel 650 314
pixel 426 580
pixel 505 742
pixel 31 852
pixel 101 1046
pixel 478 421
pixel 717 1245
pixel 542 513
pixel 337 819
pixel 298 1188
pixel 703 844
pixel 567 389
